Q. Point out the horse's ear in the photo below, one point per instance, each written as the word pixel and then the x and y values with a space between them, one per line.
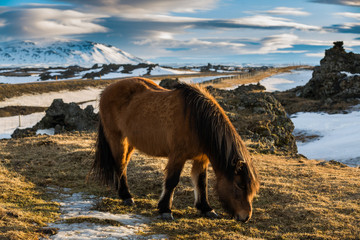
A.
pixel 239 165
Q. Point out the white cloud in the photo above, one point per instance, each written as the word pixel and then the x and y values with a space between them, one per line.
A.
pixel 273 43
pixel 349 15
pixel 288 11
pixel 2 22
pixel 45 22
pixel 141 7
pixel 316 55
pixel 263 21
pixel 352 3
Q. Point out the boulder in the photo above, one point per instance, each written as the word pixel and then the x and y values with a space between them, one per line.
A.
pixel 68 116
pixel 63 117
pixel 337 77
pixel 169 83
pixel 258 116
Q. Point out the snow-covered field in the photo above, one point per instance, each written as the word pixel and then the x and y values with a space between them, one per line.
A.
pixel 117 74
pixel 286 81
pixel 339 136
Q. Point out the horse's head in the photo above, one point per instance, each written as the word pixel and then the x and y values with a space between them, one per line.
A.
pixel 236 193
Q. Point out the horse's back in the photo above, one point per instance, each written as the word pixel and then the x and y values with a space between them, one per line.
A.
pixel 151 117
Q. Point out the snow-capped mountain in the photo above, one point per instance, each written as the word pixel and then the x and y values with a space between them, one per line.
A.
pixel 61 53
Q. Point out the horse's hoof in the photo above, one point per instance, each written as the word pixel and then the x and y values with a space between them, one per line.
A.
pixel 211 214
pixel 167 216
pixel 129 202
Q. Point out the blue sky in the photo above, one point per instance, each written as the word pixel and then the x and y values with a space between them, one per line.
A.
pixel 188 31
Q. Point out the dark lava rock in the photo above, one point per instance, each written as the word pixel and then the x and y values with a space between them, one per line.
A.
pixel 258 116
pixel 20 133
pixel 68 116
pixel 328 81
pixel 63 117
pixel 169 83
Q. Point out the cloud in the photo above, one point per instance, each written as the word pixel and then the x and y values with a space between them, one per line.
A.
pixel 48 22
pixel 262 21
pixel 349 15
pixel 2 22
pixel 141 7
pixel 346 28
pixel 272 44
pixel 287 11
pixel 281 43
pixel 316 55
pixel 354 3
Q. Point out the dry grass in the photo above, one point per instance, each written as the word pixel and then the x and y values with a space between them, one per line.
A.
pixel 23 210
pixel 299 198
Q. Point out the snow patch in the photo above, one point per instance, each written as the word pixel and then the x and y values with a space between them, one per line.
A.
pixel 286 81
pixel 340 136
pixel 78 205
pixel 348 74
pixel 45 99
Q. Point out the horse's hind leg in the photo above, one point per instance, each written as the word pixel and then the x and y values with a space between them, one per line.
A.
pixel 121 152
pixel 172 177
pixel 123 188
pixel 199 179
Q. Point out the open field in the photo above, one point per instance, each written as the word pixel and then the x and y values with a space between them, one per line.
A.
pixel 252 78
pixel 13 90
pixel 298 199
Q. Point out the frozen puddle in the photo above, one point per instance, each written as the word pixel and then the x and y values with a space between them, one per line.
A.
pixel 78 206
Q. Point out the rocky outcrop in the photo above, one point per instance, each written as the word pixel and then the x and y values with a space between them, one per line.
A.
pixel 63 117
pixel 169 83
pixel 69 117
pixel 337 77
pixel 258 116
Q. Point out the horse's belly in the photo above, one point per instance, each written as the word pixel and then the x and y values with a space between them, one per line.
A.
pixel 152 142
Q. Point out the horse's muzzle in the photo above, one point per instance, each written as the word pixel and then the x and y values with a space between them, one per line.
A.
pixel 242 219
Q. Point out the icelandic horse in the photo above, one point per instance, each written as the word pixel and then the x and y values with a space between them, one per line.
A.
pixel 182 124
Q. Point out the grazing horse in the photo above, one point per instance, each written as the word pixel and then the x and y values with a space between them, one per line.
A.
pixel 181 124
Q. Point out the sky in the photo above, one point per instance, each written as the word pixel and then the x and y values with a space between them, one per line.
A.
pixel 193 32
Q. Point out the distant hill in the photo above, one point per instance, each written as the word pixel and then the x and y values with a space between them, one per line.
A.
pixel 61 53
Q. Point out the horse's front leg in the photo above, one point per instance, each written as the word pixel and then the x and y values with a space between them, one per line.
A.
pixel 172 177
pixel 199 179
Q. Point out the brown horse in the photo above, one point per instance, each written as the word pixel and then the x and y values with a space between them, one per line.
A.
pixel 181 124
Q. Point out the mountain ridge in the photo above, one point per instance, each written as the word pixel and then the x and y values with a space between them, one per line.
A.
pixel 56 53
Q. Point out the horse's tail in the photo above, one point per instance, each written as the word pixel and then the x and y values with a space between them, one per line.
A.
pixel 104 166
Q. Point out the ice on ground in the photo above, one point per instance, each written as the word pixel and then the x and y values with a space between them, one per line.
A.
pixel 340 136
pixel 78 205
pixel 286 81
